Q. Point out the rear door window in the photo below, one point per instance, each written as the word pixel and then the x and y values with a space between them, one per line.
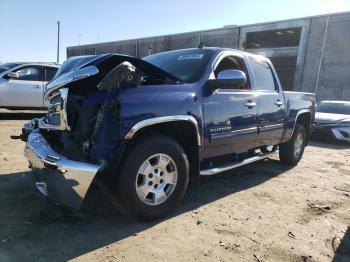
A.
pixel 263 76
pixel 50 72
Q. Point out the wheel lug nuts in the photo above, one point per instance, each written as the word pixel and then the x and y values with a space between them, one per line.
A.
pixel 161 181
pixel 156 185
pixel 156 170
pixel 161 173
pixel 150 175
pixel 150 183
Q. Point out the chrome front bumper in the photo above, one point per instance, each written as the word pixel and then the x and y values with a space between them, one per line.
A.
pixel 62 180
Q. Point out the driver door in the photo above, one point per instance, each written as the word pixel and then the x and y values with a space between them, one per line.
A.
pixel 26 90
pixel 230 115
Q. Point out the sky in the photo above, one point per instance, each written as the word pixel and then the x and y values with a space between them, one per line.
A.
pixel 28 29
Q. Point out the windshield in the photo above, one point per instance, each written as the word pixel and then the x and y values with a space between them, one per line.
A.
pixel 334 108
pixel 187 65
pixel 7 66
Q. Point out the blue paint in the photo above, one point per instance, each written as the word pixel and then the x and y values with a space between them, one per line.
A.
pixel 107 136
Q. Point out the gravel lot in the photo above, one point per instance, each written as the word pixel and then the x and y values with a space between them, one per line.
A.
pixel 262 212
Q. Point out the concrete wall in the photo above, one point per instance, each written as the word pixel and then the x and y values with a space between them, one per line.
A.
pixel 334 73
pixel 334 76
pixel 152 45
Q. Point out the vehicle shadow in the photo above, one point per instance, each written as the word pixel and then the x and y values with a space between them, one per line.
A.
pixel 8 115
pixel 342 253
pixel 34 229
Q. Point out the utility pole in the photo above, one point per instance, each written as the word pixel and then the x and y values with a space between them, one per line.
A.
pixel 58 42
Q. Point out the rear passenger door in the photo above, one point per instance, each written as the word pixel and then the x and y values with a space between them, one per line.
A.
pixel 271 107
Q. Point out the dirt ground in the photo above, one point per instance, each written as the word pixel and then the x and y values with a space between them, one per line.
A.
pixel 262 212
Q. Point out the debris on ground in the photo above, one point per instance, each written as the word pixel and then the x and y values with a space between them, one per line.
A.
pixel 324 209
pixel 257 259
pixel 291 235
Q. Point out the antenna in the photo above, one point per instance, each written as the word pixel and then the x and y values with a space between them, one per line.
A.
pixel 201 45
pixel 58 42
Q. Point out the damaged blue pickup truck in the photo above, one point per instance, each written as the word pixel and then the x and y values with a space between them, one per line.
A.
pixel 144 129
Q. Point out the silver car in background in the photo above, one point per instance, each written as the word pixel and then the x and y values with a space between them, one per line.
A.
pixel 22 84
pixel 333 118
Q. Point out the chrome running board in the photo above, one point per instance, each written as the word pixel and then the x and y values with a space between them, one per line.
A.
pixel 216 170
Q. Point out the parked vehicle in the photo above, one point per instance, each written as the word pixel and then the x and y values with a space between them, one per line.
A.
pixel 333 120
pixel 22 84
pixel 144 128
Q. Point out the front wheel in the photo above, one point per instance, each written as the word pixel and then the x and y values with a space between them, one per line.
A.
pixel 292 151
pixel 153 178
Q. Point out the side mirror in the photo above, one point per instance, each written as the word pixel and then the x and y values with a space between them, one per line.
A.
pixel 12 75
pixel 228 79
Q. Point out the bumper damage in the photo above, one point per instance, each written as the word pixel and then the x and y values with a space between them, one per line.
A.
pixel 62 180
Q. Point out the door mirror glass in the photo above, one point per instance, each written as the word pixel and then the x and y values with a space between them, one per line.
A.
pixel 228 79
pixel 12 75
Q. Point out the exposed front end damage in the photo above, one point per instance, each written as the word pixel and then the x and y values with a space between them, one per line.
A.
pixel 80 135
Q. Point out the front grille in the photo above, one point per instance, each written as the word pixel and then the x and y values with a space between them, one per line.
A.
pixel 56 118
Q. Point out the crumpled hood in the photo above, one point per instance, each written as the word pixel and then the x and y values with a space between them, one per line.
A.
pixel 328 118
pixel 95 67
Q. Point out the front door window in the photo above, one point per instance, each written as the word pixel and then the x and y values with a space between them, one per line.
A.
pixel 28 74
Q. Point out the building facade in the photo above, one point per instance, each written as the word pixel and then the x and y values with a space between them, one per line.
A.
pixel 310 54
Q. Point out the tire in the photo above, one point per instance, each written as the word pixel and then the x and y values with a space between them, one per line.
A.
pixel 137 178
pixel 292 151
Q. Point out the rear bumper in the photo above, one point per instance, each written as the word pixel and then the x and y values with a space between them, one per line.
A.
pixel 62 180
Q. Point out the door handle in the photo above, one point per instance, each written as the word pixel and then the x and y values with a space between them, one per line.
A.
pixel 37 86
pixel 279 103
pixel 250 104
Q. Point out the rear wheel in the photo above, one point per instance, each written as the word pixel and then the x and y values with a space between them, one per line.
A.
pixel 153 178
pixel 292 151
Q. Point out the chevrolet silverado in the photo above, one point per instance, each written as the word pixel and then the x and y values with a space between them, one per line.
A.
pixel 144 129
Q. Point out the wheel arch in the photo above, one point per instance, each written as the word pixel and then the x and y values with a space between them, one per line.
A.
pixel 182 128
pixel 304 118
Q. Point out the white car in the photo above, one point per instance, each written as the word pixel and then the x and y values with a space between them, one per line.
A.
pixel 333 118
pixel 22 85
